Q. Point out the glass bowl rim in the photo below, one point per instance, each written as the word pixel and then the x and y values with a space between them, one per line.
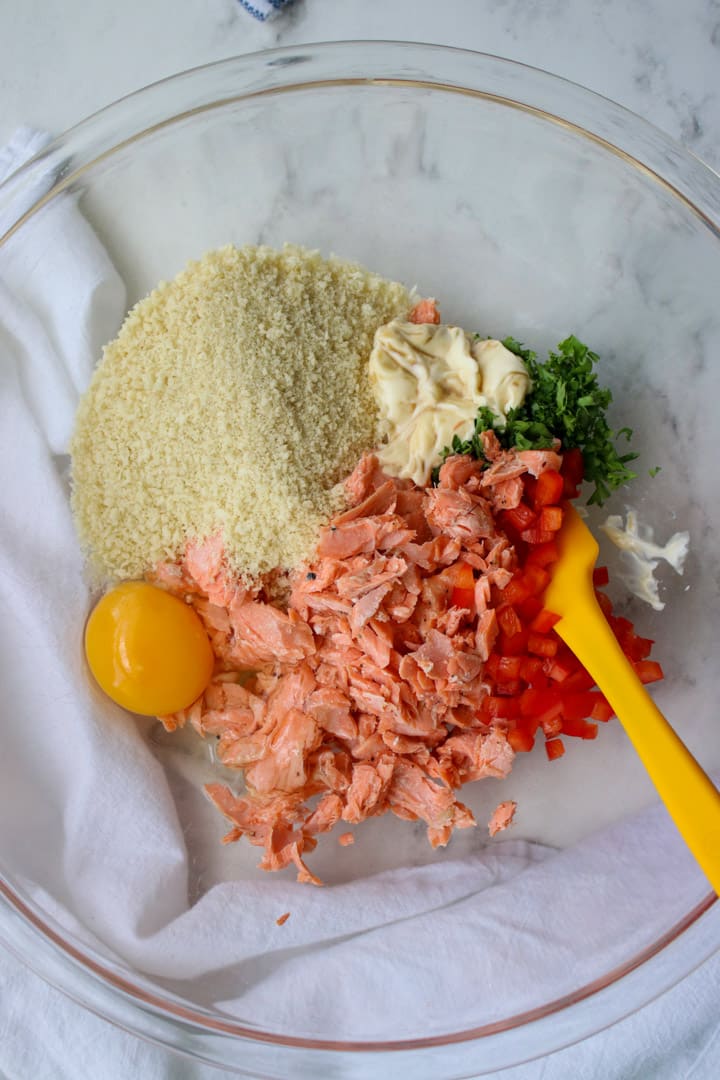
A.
pixel 269 72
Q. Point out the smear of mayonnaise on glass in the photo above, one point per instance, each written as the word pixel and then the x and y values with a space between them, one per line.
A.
pixel 429 382
pixel 643 555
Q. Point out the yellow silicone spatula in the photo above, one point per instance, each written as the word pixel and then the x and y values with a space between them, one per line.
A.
pixel 689 794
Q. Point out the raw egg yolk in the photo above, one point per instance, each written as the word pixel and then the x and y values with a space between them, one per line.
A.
pixel 148 650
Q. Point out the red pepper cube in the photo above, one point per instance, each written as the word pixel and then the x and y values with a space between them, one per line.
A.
pixel 520 517
pixel 579 680
pixel 605 603
pixel 530 608
pixel 573 467
pixel 543 554
pixel 549 489
pixel 551 518
pixel 521 740
pixel 544 621
pixel 491 707
pixel 529 488
pixel 648 671
pixel 492 664
pixel 638 648
pixel 552 725
pixel 541 645
pixel 579 729
pixel 514 644
pixel 554 748
pixel 516 590
pixel 531 668
pixel 540 703
pixel 511 688
pixel 536 535
pixel 559 670
pixel 577 706
pixel 601 577
pixel 508 668
pixel 602 710
pixel 463 598
pixel 537 579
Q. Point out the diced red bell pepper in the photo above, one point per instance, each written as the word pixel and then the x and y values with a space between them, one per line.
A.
pixel 577 705
pixel 543 554
pixel 558 669
pixel 508 668
pixel 540 703
pixel 529 488
pixel 580 729
pixel 554 748
pixel 638 648
pixel 602 710
pixel 578 681
pixel 520 517
pixel 491 665
pixel 573 467
pixel 510 688
pixel 601 577
pixel 461 579
pixel 544 620
pixel 605 603
pixel 536 535
pixel 516 590
pixel 541 644
pixel 515 644
pixel 549 489
pixel 521 740
pixel 463 598
pixel 648 671
pixel 528 609
pixel 531 670
pixel 490 706
pixel 537 579
pixel 551 519
pixel 552 724
pixel 622 628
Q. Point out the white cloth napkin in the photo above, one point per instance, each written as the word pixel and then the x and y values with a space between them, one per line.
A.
pixel 89 823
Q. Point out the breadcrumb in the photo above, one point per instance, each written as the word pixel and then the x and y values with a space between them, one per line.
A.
pixel 233 401
pixel 283 919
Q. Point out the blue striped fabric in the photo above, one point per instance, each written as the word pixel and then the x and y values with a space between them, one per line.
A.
pixel 264 9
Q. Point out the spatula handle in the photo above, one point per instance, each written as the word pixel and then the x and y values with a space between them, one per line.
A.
pixel 689 794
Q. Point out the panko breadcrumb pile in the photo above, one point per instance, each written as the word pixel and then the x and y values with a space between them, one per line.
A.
pixel 232 402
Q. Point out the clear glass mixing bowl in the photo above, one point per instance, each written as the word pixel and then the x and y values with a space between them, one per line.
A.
pixel 529 206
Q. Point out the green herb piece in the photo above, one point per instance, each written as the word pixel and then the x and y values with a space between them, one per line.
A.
pixel 565 402
pixel 654 471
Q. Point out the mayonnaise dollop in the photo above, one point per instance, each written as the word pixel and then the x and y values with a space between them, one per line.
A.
pixel 429 382
pixel 643 555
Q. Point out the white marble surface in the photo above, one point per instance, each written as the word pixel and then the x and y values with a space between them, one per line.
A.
pixel 660 58
pixel 59 63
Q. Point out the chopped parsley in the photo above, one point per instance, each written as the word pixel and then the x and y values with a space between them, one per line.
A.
pixel 567 403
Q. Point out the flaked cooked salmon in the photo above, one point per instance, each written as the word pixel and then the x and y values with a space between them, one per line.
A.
pixel 363 694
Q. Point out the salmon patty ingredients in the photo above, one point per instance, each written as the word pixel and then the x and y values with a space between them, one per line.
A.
pixel 352 648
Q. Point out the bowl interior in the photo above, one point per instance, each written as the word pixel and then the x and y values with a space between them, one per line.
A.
pixel 519 224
